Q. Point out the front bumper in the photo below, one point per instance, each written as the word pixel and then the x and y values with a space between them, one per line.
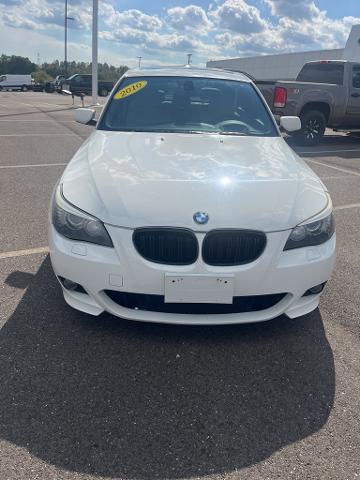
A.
pixel 122 269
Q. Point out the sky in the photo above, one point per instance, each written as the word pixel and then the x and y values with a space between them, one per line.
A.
pixel 164 31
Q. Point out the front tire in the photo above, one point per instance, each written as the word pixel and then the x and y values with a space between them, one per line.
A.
pixel 313 125
pixel 103 92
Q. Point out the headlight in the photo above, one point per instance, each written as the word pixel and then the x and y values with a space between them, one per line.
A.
pixel 76 224
pixel 311 234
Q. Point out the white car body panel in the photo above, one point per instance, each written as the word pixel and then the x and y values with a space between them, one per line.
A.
pixel 123 269
pixel 126 177
pixel 137 179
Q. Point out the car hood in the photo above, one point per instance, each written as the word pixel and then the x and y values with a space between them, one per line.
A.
pixel 138 179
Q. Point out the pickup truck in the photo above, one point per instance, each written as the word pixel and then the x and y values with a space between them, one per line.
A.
pixel 82 83
pixel 325 94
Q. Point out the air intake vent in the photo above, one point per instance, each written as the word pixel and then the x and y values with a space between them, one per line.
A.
pixel 232 247
pixel 170 246
pixel 156 303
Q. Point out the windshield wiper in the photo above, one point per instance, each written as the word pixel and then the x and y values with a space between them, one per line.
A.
pixel 164 130
pixel 238 134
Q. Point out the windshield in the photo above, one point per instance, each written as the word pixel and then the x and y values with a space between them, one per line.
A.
pixel 188 105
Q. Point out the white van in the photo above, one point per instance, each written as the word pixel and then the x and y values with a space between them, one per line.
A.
pixel 16 82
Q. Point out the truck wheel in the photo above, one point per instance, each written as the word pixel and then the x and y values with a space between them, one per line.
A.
pixel 24 88
pixel 313 127
pixel 103 92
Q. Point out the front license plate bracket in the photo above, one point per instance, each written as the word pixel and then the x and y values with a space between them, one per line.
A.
pixel 199 288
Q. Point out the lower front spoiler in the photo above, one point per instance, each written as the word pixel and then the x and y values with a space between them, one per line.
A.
pixel 95 304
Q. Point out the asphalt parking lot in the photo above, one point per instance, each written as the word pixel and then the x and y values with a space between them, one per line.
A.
pixel 99 398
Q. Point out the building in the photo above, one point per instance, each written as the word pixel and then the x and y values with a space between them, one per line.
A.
pixel 286 66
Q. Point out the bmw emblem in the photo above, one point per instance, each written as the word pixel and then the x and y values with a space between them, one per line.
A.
pixel 201 218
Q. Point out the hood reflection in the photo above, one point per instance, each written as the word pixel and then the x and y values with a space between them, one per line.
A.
pixel 136 179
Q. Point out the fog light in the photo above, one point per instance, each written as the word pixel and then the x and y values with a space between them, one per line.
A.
pixel 315 290
pixel 70 285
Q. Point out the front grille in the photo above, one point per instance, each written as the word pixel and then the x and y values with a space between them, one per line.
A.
pixel 155 303
pixel 170 246
pixel 232 247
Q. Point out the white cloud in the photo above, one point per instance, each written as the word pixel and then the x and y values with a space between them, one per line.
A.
pixel 265 42
pixel 133 18
pixel 286 33
pixel 226 27
pixel 149 33
pixel 188 18
pixel 318 32
pixel 13 19
pixel 238 16
pixel 44 14
pixel 11 2
pixel 299 9
pixel 154 40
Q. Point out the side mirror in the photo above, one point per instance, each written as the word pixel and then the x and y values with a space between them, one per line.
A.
pixel 85 116
pixel 290 124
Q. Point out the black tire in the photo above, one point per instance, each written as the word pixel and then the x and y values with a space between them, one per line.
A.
pixel 24 88
pixel 313 125
pixel 103 92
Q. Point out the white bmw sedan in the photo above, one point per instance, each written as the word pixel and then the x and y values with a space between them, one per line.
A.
pixel 185 205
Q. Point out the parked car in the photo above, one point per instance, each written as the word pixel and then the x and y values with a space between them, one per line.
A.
pixel 55 85
pixel 58 81
pixel 186 205
pixel 38 87
pixel 16 82
pixel 50 87
pixel 77 84
pixel 326 93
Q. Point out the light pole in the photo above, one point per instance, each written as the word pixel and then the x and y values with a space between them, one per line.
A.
pixel 189 55
pixel 66 26
pixel 139 58
pixel 95 52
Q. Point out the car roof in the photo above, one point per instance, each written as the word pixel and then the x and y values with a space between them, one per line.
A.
pixel 191 72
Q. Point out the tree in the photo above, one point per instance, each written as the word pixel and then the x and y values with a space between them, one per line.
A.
pixel 23 66
pixel 16 65
pixel 41 76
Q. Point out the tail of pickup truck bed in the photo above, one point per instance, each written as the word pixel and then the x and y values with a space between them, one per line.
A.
pixel 267 89
pixel 323 95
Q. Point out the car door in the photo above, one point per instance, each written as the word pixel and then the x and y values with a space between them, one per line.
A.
pixel 353 105
pixel 87 84
pixel 77 84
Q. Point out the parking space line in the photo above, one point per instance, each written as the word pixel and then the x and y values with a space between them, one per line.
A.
pixel 34 165
pixel 344 170
pixel 349 205
pixel 23 121
pixel 22 253
pixel 333 177
pixel 327 151
pixel 40 135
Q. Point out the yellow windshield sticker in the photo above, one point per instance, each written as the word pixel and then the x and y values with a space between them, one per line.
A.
pixel 130 89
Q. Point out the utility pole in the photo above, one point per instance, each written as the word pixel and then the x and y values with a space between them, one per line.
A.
pixel 66 19
pixel 66 27
pixel 95 53
pixel 189 55
pixel 139 61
